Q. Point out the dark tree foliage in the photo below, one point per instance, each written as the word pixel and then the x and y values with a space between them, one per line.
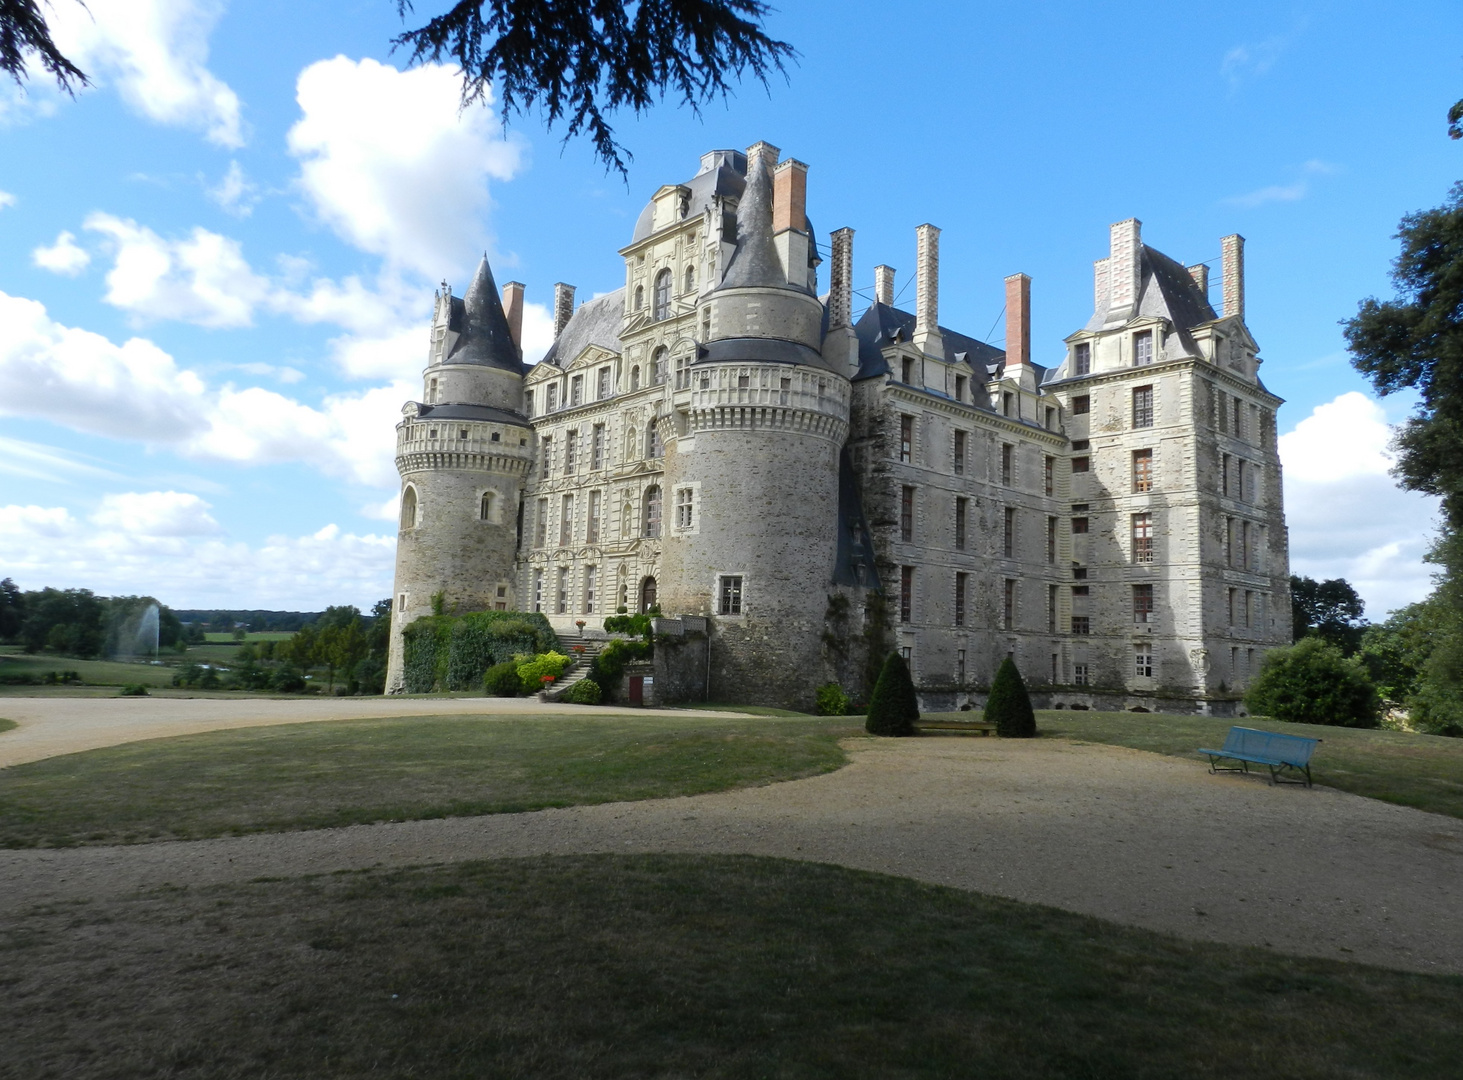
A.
pixel 1009 706
pixel 893 708
pixel 1328 609
pixel 23 34
pixel 1455 121
pixel 1313 683
pixel 66 621
pixel 578 60
pixel 12 609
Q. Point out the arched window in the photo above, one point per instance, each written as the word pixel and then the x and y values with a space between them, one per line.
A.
pixel 662 301
pixel 409 508
pixel 632 445
pixel 690 279
pixel 654 448
pixel 639 297
pixel 635 377
pixel 485 510
pixel 651 517
pixel 647 595
pixel 657 365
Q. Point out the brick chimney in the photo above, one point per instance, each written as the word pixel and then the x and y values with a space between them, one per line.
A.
pixel 1018 321
pixel 1124 269
pixel 1232 260
pixel 790 219
pixel 563 306
pixel 840 281
pixel 884 285
pixel 1200 276
pixel 513 311
pixel 764 150
pixel 927 291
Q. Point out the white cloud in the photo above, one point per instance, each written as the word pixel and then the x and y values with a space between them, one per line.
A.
pixel 1284 192
pixel 65 256
pixel 1347 517
pixel 50 546
pixel 155 52
pixel 282 372
pixel 383 511
pixel 235 192
pixel 202 279
pixel 1250 60
pixel 155 513
pixel 137 392
pixel 6 199
pixel 394 165
pixel 37 462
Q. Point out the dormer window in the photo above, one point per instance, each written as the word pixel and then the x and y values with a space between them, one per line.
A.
pixel 1143 348
pixel 604 383
pixel 551 397
pixel 662 301
pixel 1006 401
pixel 1082 358
pixel 576 390
pixel 959 387
pixel 908 370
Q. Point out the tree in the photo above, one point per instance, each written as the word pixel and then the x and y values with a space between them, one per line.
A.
pixel 893 708
pixel 12 607
pixel 1009 706
pixel 24 33
pixel 579 61
pixel 1329 609
pixel 1311 682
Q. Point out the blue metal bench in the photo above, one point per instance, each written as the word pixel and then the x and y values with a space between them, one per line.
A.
pixel 1281 753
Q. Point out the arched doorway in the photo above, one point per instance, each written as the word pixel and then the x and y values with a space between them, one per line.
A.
pixel 647 595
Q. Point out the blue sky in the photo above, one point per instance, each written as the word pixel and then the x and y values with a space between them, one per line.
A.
pixel 216 267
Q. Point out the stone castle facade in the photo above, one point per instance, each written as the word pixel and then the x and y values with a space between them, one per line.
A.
pixel 717 439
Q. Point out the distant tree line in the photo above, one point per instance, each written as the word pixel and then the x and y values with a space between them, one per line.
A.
pixel 255 622
pixel 77 622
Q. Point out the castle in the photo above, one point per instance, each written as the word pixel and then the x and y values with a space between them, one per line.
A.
pixel 717 439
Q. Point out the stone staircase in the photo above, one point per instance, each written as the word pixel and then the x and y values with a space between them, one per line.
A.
pixel 578 668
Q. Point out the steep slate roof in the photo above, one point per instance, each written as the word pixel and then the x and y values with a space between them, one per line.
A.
pixel 755 262
pixel 723 172
pixel 485 338
pixel 881 324
pixel 596 322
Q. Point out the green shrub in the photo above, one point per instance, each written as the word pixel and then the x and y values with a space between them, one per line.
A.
pixel 453 652
pixel 636 625
pixel 1312 682
pixel 209 680
pixel 533 672
pixel 188 676
pixel 893 708
pixel 502 680
pixel 609 665
pixel 133 689
pixel 584 692
pixel 832 701
pixel 287 680
pixel 1009 706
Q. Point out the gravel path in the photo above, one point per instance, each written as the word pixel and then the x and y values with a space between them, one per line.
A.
pixel 1136 838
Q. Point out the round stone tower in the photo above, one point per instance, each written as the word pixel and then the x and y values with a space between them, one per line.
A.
pixel 752 456
pixel 462 452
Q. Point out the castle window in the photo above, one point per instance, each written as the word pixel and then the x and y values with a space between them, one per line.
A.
pixel 1051 540
pixel 683 373
pixel 485 509
pixel 1224 475
pixel 1008 455
pixel 528 403
pixel 1081 624
pixel 906 438
pixel 551 397
pixel 658 366
pixel 959 462
pixel 432 392
pixel 906 514
pixel 959 387
pixel 1231 607
pixel 566 521
pixel 1079 673
pixel 1051 418
pixel 1081 404
pixel 651 515
pixel 647 595
pixel 541 525
pixel 562 605
pixel 1142 470
pixel 546 454
pixel 576 390
pixel 822 393
pixel 1143 348
pixel 1049 475
pixel 1142 538
pixel 571 452
pixel 960 666
pixel 401 602
pixel 684 504
pixel 597 448
pixel 960 582
pixel 908 371
pixel 538 590
pixel 591 579
pixel 409 508
pixel 603 390
pixel 906 593
pixel 1081 464
pixel 730 595
pixel 690 285
pixel 705 380
pixel 1006 401
pixel 635 377
pixel 432 433
pixel 744 382
pixel 654 448
pixel 1009 537
pixel 960 507
pixel 462 433
pixel 1142 406
pixel 1051 620
pixel 1008 605
pixel 1239 475
pixel 497 437
pixel 1143 662
pixel 639 297
pixel 1082 358
pixel 662 302
pixel 591 526
pixel 1079 525
pixel 1142 603
pixel 784 390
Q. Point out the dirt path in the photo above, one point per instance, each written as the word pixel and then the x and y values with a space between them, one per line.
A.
pixel 52 726
pixel 1128 836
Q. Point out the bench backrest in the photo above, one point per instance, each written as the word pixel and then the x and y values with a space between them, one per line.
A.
pixel 1271 745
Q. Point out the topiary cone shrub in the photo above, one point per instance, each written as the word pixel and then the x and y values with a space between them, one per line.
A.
pixel 893 708
pixel 1009 707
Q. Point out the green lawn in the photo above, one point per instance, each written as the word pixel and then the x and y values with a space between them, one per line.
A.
pixel 318 775
pixel 1425 771
pixel 96 672
pixel 676 966
pixel 261 635
pixel 7 725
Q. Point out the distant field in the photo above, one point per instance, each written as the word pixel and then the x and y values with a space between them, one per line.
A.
pixel 263 635
pixel 99 672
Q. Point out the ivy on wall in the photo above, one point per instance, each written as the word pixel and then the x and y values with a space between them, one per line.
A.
pixel 451 652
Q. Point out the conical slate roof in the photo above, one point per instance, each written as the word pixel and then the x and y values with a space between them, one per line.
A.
pixel 755 262
pixel 485 336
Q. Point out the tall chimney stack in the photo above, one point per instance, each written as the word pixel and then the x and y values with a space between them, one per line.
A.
pixel 1018 320
pixel 927 291
pixel 840 281
pixel 513 310
pixel 563 306
pixel 1232 258
pixel 1124 269
pixel 884 285
pixel 765 150
pixel 1200 275
pixel 1101 287
pixel 790 220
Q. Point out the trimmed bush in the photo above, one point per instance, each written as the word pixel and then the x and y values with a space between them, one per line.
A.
pixel 1009 706
pixel 638 625
pixel 532 672
pixel 893 708
pixel 502 680
pixel 133 690
pixel 452 652
pixel 584 692
pixel 1312 682
pixel 832 701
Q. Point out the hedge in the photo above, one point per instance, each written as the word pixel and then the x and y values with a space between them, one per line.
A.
pixel 453 652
